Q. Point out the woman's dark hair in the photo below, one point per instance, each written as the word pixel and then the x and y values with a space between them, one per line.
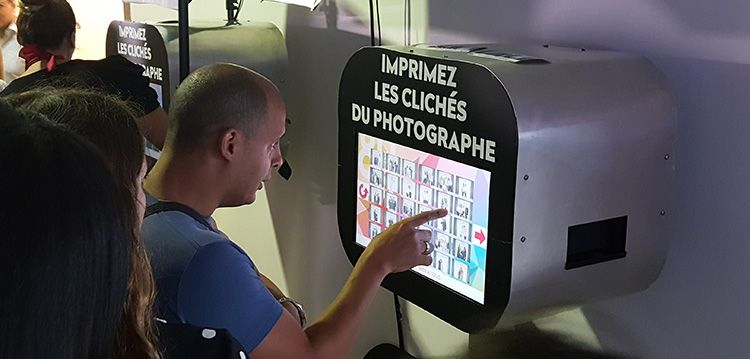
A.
pixel 65 243
pixel 104 120
pixel 46 23
pixel 109 123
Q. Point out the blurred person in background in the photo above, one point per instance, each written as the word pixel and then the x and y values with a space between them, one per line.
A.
pixel 12 64
pixel 47 33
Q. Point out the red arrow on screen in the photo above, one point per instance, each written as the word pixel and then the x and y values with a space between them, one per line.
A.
pixel 480 236
pixel 363 191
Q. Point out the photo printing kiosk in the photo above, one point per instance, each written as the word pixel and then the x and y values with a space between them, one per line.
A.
pixel 259 46
pixel 555 165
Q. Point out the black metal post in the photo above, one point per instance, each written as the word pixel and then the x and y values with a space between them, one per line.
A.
pixel 184 39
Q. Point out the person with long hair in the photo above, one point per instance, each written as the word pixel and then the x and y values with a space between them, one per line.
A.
pixel 109 124
pixel 65 244
pixel 47 34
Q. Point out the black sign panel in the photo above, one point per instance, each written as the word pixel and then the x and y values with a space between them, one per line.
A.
pixel 419 132
pixel 143 45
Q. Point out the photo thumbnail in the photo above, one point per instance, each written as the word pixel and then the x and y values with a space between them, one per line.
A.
pixel 445 181
pixel 460 271
pixel 376 177
pixel 375 229
pixel 390 219
pixel 427 175
pixel 409 169
pixel 462 230
pixel 394 163
pixel 443 224
pixel 409 189
pixel 463 250
pixel 442 262
pixel 443 243
pixel 376 214
pixel 425 195
pixel 376 195
pixel 463 209
pixel 408 208
pixel 392 182
pixel 465 188
pixel 444 200
pixel 376 158
pixel 391 202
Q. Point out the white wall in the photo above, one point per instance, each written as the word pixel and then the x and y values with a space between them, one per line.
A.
pixel 696 309
pixel 93 18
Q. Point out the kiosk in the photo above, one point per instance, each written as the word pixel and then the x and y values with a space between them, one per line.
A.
pixel 256 45
pixel 555 165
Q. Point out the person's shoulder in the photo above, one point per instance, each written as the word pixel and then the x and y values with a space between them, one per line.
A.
pixel 118 61
pixel 225 252
pixel 109 66
pixel 178 228
pixel 22 84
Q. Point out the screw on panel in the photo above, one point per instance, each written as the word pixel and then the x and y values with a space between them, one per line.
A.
pixel 525 177
pixel 523 239
pixel 662 213
pixel 666 157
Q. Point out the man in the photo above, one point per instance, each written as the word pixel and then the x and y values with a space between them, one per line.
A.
pixel 13 66
pixel 222 145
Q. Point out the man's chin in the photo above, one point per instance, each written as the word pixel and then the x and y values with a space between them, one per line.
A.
pixel 246 201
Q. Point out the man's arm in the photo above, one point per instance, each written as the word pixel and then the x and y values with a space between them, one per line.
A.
pixel 397 249
pixel 2 67
pixel 278 294
pixel 3 84
pixel 153 126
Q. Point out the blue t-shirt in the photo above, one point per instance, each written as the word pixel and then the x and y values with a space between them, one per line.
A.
pixel 204 279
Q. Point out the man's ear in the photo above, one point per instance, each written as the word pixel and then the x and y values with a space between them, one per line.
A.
pixel 229 140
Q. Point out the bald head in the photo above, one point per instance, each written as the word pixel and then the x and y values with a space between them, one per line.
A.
pixel 215 98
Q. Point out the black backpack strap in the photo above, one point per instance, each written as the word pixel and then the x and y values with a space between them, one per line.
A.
pixel 174 206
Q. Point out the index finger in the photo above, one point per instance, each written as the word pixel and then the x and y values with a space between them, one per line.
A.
pixel 424 217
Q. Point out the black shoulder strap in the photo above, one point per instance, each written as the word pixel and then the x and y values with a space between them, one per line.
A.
pixel 174 206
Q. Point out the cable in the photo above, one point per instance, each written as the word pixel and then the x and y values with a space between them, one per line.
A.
pixel 407 22
pixel 408 26
pixel 380 34
pixel 399 323
pixel 239 8
pixel 372 26
pixel 406 4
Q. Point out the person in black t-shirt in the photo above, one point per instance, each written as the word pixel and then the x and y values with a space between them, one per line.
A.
pixel 46 30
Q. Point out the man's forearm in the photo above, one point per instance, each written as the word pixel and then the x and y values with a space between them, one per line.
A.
pixel 333 334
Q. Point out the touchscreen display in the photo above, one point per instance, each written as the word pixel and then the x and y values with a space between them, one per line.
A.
pixel 395 182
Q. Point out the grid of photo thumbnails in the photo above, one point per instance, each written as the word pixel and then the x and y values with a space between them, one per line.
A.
pixel 400 188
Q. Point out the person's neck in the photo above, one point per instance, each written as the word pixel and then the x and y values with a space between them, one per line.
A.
pixel 178 180
pixel 37 66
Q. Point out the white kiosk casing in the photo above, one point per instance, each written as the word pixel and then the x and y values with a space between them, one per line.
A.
pixel 580 179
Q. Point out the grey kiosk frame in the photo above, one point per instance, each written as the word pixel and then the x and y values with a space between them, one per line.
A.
pixel 581 178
